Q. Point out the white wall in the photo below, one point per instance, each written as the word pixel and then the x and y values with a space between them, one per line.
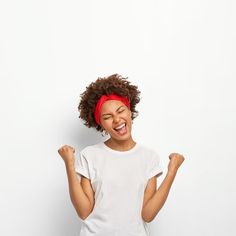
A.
pixel 181 54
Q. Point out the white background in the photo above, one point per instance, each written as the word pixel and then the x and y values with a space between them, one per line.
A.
pixel 181 54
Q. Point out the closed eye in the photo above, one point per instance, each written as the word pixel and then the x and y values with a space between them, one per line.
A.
pixel 110 116
pixel 120 111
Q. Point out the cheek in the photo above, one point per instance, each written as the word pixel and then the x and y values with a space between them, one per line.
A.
pixel 107 123
pixel 127 116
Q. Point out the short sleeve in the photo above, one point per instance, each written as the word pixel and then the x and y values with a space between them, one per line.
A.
pixel 82 166
pixel 154 166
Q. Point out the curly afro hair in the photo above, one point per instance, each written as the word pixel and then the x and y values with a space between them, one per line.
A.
pixel 104 86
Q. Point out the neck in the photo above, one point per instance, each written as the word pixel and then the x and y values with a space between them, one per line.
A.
pixel 120 145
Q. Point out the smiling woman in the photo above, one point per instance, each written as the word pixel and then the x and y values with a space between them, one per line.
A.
pixel 117 193
pixel 96 93
pixel 116 119
pixel 108 104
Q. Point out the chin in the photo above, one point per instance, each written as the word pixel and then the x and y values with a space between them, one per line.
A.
pixel 126 136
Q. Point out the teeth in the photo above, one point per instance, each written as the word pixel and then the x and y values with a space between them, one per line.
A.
pixel 120 126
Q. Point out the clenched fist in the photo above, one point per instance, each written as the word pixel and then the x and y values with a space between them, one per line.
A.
pixel 176 160
pixel 67 154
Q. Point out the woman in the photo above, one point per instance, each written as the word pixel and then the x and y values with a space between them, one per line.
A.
pixel 115 194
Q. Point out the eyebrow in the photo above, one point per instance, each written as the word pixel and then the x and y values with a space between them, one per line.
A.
pixel 110 113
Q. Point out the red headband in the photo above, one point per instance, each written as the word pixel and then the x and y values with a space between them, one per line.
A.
pixel 105 98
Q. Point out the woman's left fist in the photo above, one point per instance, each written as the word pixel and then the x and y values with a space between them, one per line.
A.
pixel 176 160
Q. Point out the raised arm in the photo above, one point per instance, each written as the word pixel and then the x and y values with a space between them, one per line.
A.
pixel 81 202
pixel 155 203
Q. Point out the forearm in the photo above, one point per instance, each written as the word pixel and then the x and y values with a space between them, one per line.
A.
pixel 79 199
pixel 155 203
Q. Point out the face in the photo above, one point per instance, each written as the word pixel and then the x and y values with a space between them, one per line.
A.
pixel 115 115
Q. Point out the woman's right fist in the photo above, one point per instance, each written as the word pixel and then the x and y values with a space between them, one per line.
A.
pixel 67 154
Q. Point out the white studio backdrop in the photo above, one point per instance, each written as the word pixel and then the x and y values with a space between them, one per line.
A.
pixel 181 54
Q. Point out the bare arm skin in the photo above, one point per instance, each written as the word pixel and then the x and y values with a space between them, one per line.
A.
pixel 81 194
pixel 155 199
pixel 81 201
pixel 155 203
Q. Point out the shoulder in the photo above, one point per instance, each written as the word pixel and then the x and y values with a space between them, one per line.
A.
pixel 147 150
pixel 90 150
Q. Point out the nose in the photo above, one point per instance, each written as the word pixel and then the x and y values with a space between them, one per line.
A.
pixel 116 119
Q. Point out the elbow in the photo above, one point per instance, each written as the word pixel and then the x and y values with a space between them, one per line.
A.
pixel 84 212
pixel 83 216
pixel 147 218
pixel 149 215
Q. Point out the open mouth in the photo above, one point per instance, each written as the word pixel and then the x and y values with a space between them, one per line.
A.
pixel 121 129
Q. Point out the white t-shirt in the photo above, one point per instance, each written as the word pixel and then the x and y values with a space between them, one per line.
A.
pixel 119 179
